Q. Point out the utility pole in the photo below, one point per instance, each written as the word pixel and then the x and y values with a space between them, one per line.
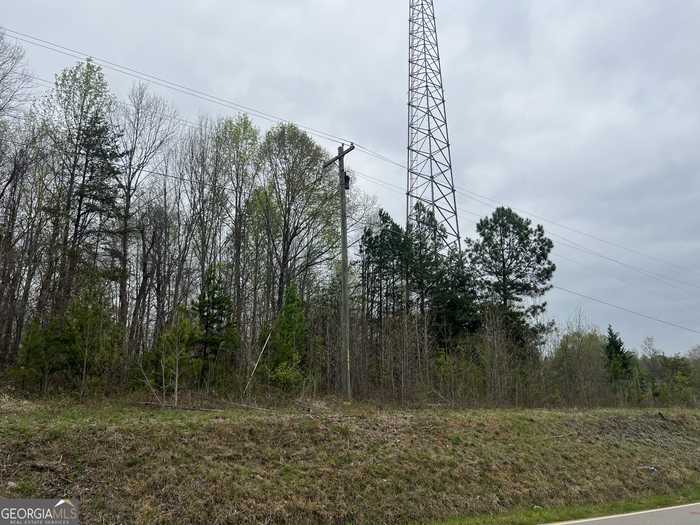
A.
pixel 344 186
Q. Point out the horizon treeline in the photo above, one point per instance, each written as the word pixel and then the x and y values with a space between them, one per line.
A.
pixel 141 252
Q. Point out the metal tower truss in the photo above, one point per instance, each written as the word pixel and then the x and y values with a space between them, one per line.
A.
pixel 430 178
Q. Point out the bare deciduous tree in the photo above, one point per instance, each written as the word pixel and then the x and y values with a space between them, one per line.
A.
pixel 14 80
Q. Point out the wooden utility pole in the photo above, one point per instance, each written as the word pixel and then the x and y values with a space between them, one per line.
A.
pixel 344 186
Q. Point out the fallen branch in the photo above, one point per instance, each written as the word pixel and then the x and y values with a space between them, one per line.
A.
pixel 171 407
pixel 251 407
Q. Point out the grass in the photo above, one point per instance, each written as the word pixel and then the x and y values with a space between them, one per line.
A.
pixel 346 464
pixel 537 516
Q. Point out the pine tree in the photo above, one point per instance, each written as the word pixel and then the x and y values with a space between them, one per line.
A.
pixel 214 309
pixel 454 301
pixel 424 239
pixel 619 359
pixel 510 261
pixel 288 342
pixel 76 117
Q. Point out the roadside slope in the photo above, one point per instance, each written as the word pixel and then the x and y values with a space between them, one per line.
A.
pixel 361 465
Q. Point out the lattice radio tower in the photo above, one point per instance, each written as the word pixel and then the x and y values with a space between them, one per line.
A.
pixel 430 179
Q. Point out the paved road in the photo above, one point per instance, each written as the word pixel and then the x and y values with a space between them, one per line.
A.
pixel 683 515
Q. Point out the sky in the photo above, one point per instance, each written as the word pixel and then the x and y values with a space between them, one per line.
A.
pixel 584 113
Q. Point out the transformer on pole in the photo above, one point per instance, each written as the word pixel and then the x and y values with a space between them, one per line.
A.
pixel 430 179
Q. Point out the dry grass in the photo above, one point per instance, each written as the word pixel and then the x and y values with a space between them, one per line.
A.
pixel 337 465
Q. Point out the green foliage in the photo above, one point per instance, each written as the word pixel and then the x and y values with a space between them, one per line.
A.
pixel 180 336
pixel 619 360
pixel 511 264
pixel 45 351
pixel 71 350
pixel 95 333
pixel 231 340
pixel 667 379
pixel 424 239
pixel 460 374
pixel 577 374
pixel 694 359
pixel 287 375
pixel 240 138
pixel 80 107
pixel 171 364
pixel 454 301
pixel 511 261
pixel 383 266
pixel 263 213
pixel 288 342
pixel 214 310
pixel 439 285
pixel 301 205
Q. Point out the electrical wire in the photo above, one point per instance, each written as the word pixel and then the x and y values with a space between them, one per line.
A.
pixel 24 37
pixel 560 288
pixel 153 79
pixel 675 283
pixel 628 310
pixel 175 86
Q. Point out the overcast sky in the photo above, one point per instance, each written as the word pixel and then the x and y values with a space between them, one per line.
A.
pixel 586 113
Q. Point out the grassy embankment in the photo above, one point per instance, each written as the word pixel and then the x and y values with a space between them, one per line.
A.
pixel 346 463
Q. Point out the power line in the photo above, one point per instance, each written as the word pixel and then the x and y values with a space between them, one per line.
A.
pixel 153 79
pixel 681 285
pixel 391 186
pixel 576 246
pixel 175 86
pixel 585 249
pixel 472 195
pixel 675 283
pixel 190 124
pixel 563 241
pixel 629 311
pixel 560 288
pixel 584 296
pixel 624 279
pixel 493 202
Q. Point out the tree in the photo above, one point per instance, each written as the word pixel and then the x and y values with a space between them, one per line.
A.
pixel 174 350
pixel 200 163
pixel 667 379
pixel 146 125
pixel 424 238
pixel 43 353
pixel 425 269
pixel 214 310
pixel 694 358
pixel 510 261
pixel 619 360
pixel 91 329
pixel 288 342
pixel 577 369
pixel 300 213
pixel 241 158
pixel 384 268
pixel 14 81
pixel 455 301
pixel 23 221
pixel 84 152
